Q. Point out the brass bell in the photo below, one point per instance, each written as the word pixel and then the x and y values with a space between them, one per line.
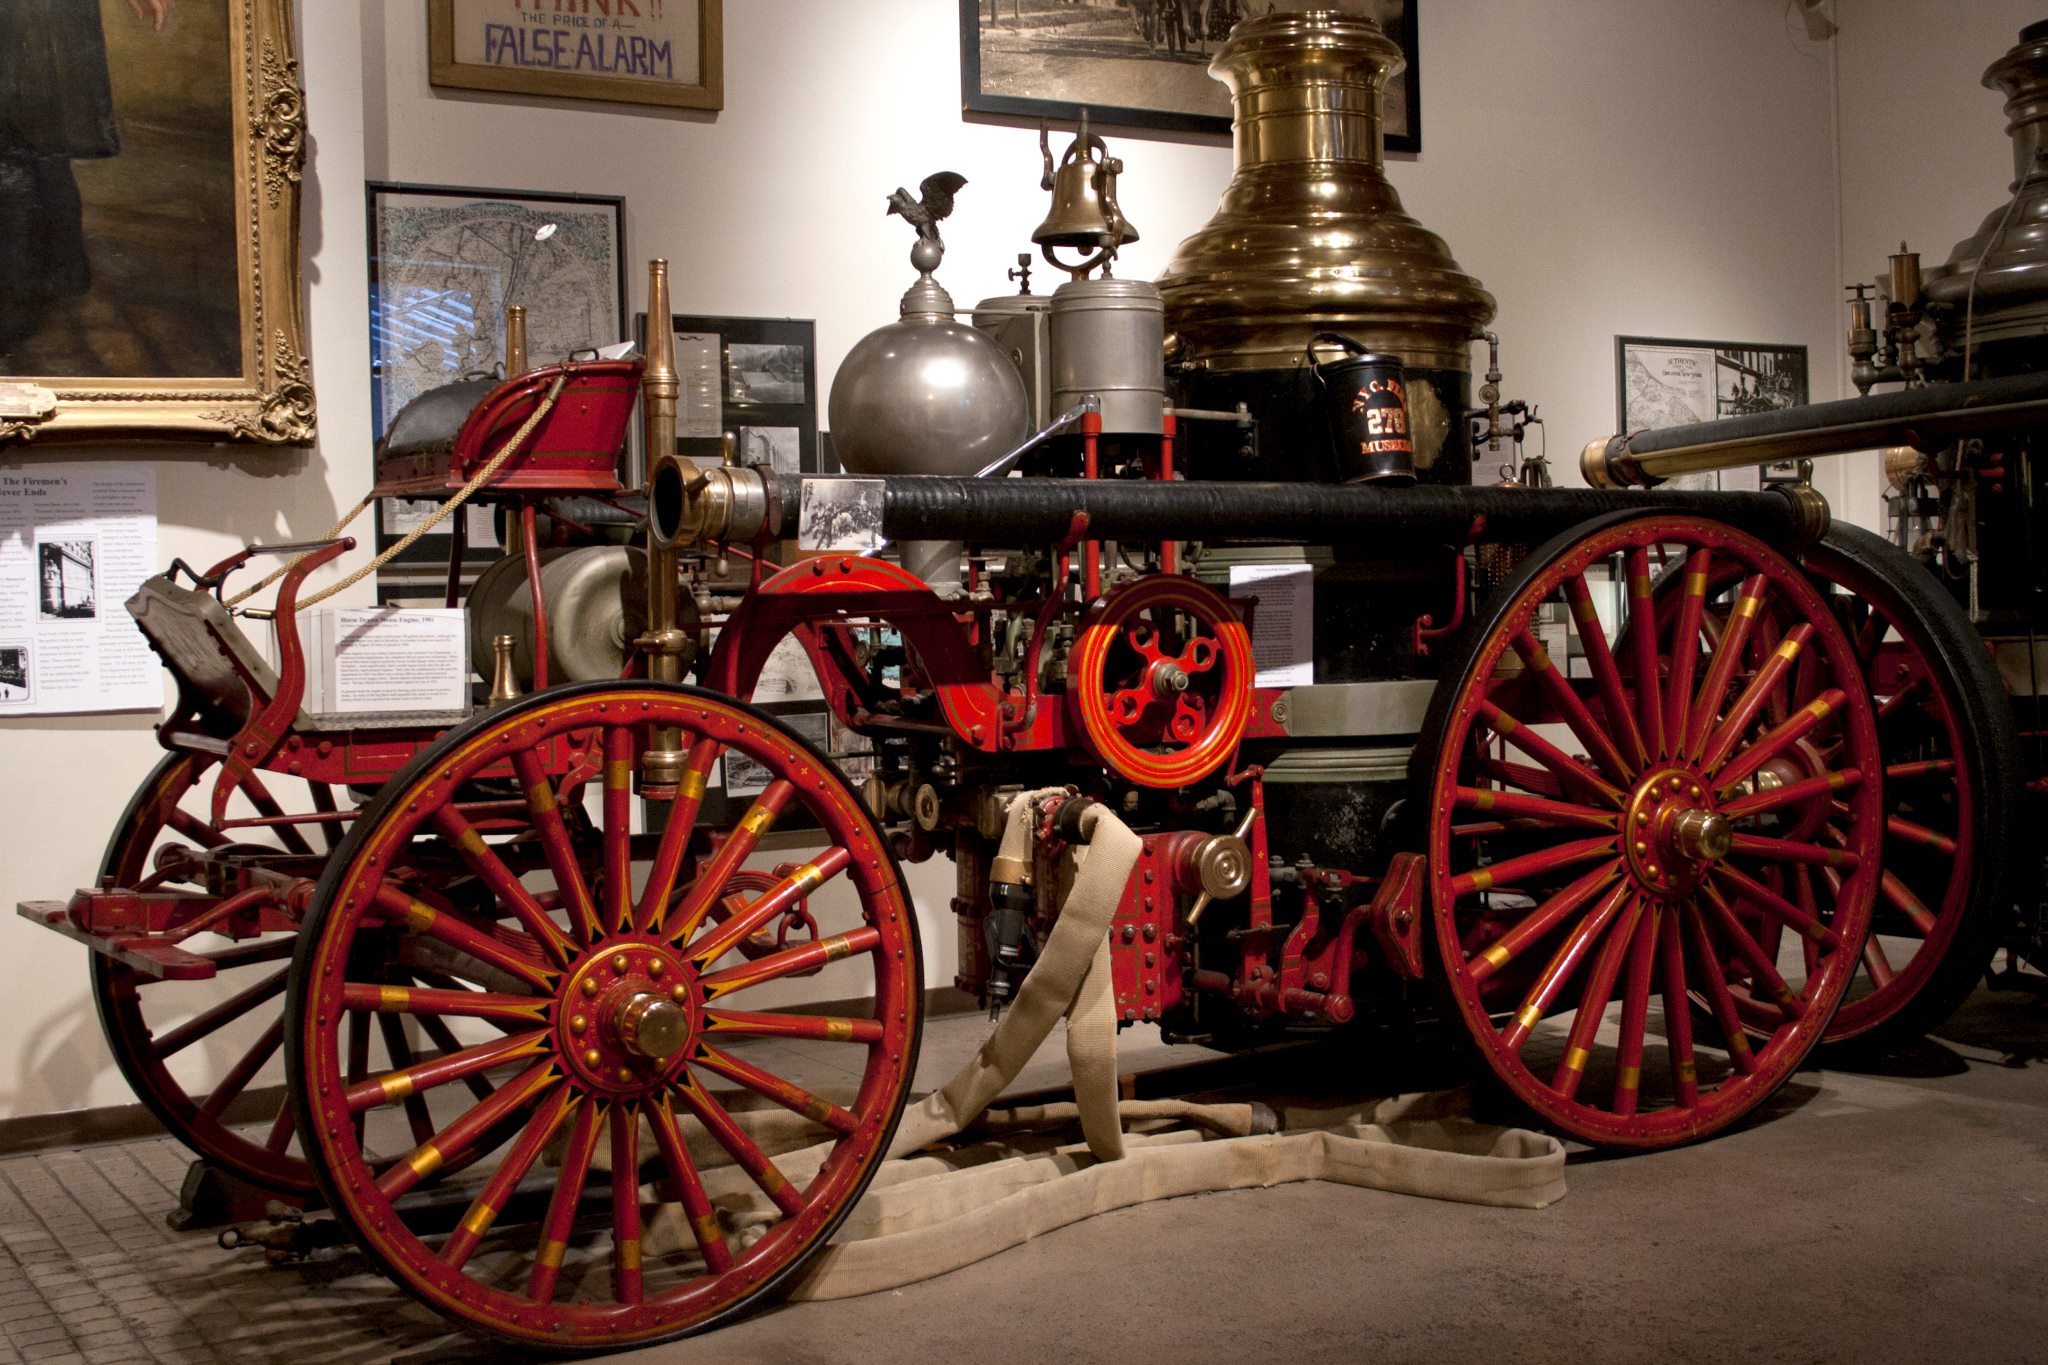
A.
pixel 1084 214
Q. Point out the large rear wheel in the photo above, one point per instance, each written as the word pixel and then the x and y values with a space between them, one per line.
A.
pixel 1605 855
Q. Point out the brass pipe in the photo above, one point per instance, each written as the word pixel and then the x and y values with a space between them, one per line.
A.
pixel 661 766
pixel 515 339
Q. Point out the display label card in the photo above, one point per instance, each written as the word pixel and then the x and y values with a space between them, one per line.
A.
pixel 383 659
pixel 1283 623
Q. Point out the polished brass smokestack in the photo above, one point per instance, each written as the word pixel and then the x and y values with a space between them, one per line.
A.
pixel 1310 236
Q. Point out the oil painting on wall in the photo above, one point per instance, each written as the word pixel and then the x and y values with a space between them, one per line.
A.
pixel 150 154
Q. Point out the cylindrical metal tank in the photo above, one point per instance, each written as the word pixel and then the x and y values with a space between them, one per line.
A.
pixel 1106 340
pixel 1311 237
pixel 596 598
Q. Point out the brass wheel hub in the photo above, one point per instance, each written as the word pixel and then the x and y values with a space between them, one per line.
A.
pixel 1671 832
pixel 626 1017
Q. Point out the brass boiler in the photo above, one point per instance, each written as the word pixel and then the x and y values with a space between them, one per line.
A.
pixel 1311 237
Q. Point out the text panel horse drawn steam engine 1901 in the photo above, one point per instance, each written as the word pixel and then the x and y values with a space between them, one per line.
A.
pixel 1577 759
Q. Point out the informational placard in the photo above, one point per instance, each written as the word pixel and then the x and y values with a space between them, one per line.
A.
pixel 75 542
pixel 384 659
pixel 1283 622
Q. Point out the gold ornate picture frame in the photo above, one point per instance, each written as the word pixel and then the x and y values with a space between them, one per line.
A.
pixel 167 176
pixel 661 52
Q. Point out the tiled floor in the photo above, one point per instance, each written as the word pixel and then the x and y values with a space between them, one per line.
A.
pixel 89 1271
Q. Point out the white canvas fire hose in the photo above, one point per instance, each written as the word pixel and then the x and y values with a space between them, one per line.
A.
pixel 935 1208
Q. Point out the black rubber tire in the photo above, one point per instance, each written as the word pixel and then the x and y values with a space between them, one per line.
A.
pixel 1932 625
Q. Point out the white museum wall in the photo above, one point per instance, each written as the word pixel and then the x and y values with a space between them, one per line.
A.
pixel 1609 166
pixel 1923 147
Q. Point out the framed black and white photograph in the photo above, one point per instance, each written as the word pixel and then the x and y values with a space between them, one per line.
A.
pixel 16 682
pixel 1142 64
pixel 778 447
pixel 1669 382
pixel 767 375
pixel 67 577
pixel 752 381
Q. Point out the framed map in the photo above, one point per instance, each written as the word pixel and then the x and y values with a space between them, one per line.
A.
pixel 444 263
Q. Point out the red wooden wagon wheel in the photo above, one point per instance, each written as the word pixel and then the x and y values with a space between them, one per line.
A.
pixel 1160 681
pixel 1946 733
pixel 193 1049
pixel 1573 892
pixel 613 1023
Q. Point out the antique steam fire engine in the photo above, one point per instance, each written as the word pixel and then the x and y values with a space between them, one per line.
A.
pixel 1203 557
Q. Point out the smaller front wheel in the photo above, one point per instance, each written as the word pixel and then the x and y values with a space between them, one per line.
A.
pixel 641 1043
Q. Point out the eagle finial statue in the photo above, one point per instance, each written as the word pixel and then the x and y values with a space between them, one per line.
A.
pixel 926 213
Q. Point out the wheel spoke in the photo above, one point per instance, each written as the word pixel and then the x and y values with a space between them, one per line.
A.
pixel 218 1016
pixel 625 1126
pixel 490 1201
pixel 1541 810
pixel 675 1155
pixel 617 804
pixel 790 961
pixel 1778 908
pixel 1793 851
pixel 1562 965
pixel 787 892
pixel 1567 768
pixel 504 882
pixel 281 1130
pixel 1901 828
pixel 1877 963
pixel 1764 970
pixel 400 1052
pixel 1727 658
pixel 1685 645
pixel 247 954
pixel 1537 662
pixel 821 1028
pixel 465 1132
pixel 675 836
pixel 1792 793
pixel 1891 705
pixel 463 1004
pixel 1782 737
pixel 446 928
pixel 1519 775
pixel 1728 734
pixel 1685 1079
pixel 789 1095
pixel 194 830
pixel 561 1215
pixel 1926 767
pixel 1635 1008
pixel 726 861
pixel 405 1081
pixel 1720 1001
pixel 1642 616
pixel 745 1154
pixel 1606 673
pixel 244 1070
pixel 1509 871
pixel 1907 904
pixel 544 805
pixel 266 804
pixel 1593 1003
pixel 1541 921
pixel 444 1039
